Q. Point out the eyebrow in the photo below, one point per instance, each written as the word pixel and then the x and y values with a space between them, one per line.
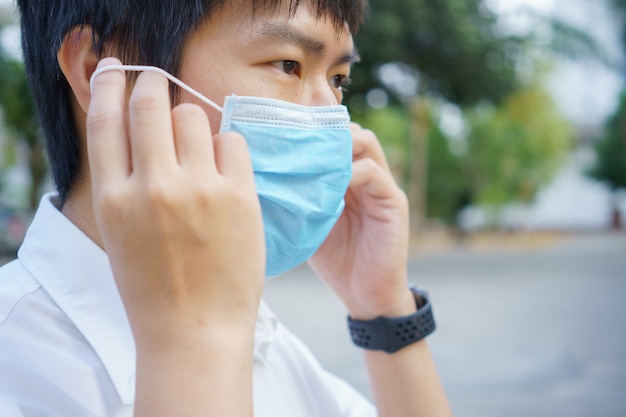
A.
pixel 284 33
pixel 351 57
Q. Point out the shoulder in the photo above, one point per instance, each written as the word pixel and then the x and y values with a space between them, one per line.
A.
pixel 31 324
pixel 15 284
pixel 47 367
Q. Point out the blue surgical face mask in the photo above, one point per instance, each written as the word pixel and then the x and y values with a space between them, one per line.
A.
pixel 302 162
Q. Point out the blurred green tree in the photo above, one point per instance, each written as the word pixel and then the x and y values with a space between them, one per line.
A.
pixel 20 122
pixel 505 153
pixel 422 51
pixel 515 149
pixel 610 166
pixel 448 188
pixel 415 48
pixel 391 124
pixel 620 8
pixel 453 46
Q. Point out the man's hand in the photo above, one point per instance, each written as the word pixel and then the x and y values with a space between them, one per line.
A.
pixel 176 208
pixel 364 258
pixel 180 220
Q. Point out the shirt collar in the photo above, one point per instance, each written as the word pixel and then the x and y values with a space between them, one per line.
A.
pixel 76 273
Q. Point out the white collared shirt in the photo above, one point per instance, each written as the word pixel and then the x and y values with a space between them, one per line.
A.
pixel 66 348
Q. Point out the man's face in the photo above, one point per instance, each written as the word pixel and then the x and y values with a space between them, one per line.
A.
pixel 301 59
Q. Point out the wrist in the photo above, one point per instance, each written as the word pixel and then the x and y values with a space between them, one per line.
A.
pixel 400 302
pixel 392 333
pixel 213 369
pixel 198 339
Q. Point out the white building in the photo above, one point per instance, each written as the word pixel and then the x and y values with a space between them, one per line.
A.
pixel 587 93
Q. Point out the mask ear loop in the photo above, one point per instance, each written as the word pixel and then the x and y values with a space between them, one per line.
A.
pixel 141 68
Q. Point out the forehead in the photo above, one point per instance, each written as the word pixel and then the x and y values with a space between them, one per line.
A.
pixel 233 26
pixel 342 14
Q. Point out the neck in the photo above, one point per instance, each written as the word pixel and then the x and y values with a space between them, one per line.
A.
pixel 78 208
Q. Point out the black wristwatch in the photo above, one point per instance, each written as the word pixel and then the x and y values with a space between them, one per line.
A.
pixel 391 334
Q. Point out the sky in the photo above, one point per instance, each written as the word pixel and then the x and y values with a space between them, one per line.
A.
pixel 586 91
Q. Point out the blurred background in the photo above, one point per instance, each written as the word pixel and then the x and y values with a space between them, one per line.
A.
pixel 505 123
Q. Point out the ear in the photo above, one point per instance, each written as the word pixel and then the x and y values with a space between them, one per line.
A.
pixel 78 61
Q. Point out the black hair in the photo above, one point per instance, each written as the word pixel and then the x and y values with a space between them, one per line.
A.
pixel 146 32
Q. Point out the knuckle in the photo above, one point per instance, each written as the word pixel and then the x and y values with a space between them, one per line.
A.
pixel 246 195
pixel 150 92
pixel 112 202
pixel 145 100
pixel 109 79
pixel 157 194
pixel 235 146
pixel 370 137
pixel 366 138
pixel 188 110
pixel 99 119
pixel 244 203
pixel 232 138
pixel 233 192
pixel 371 165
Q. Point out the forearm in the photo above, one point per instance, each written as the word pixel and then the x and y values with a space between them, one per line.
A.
pixel 406 383
pixel 364 261
pixel 201 376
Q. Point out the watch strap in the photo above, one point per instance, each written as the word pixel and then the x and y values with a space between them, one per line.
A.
pixel 391 334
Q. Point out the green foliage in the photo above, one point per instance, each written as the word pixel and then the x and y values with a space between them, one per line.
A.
pixel 391 124
pixel 17 103
pixel 511 152
pixel 448 189
pixel 619 6
pixel 458 52
pixel 515 149
pixel 450 42
pixel 392 127
pixel 610 164
pixel 459 49
pixel 20 121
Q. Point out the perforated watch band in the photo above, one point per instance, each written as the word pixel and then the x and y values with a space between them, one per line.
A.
pixel 391 334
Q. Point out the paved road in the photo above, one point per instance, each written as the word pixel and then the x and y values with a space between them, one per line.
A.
pixel 534 333
pixel 531 334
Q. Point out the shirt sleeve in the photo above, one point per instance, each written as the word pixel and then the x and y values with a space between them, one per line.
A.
pixel 345 401
pixel 24 393
pixel 330 395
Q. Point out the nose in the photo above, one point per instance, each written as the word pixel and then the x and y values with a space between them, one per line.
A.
pixel 318 92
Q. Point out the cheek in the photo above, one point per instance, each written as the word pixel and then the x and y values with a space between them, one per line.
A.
pixel 258 81
pixel 252 87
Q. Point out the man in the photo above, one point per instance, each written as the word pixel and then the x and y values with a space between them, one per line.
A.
pixel 145 269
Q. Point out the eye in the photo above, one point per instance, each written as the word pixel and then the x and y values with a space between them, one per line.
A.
pixel 288 67
pixel 340 82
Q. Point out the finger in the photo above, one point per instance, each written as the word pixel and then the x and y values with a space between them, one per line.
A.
pixel 368 175
pixel 365 144
pixel 192 138
pixel 107 143
pixel 232 157
pixel 150 120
